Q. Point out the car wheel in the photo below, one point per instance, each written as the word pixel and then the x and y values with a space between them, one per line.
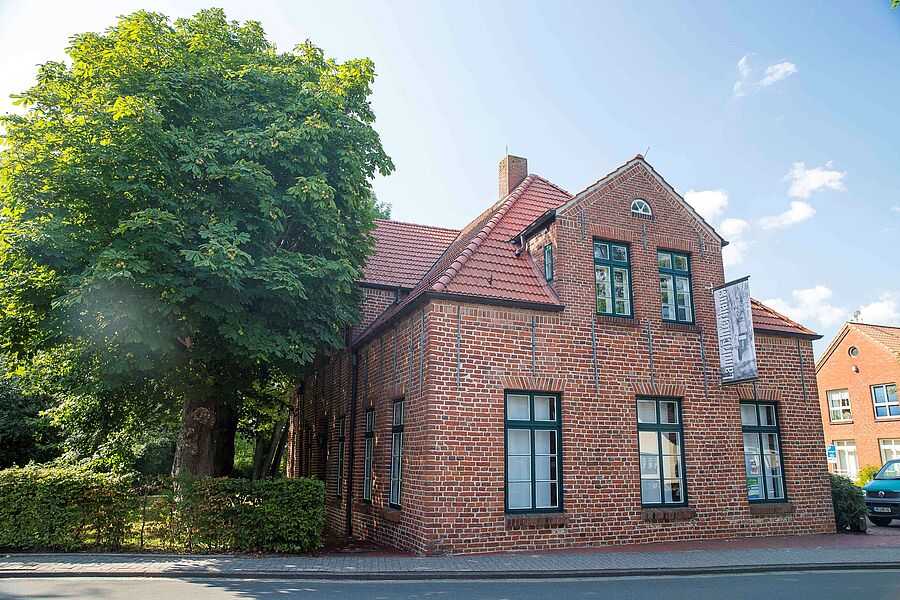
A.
pixel 880 521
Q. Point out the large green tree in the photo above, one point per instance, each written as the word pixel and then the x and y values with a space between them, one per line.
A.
pixel 186 209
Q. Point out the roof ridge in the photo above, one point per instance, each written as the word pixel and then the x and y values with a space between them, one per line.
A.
pixel 897 327
pixel 553 185
pixel 872 338
pixel 456 266
pixel 415 224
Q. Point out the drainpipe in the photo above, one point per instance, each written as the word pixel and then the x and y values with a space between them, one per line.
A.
pixel 354 389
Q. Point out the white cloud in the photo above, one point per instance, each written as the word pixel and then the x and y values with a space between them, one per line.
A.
pixel 733 254
pixel 895 210
pixel 709 203
pixel 777 72
pixel 806 181
pixel 884 311
pixel 797 213
pixel 743 67
pixel 810 304
pixel 733 228
pixel 747 80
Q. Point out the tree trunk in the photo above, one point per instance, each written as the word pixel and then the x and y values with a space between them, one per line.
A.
pixel 206 441
pixel 279 452
pixel 259 454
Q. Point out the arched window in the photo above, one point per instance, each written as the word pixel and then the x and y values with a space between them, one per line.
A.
pixel 640 207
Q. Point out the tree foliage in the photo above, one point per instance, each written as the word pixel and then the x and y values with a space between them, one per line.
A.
pixel 185 210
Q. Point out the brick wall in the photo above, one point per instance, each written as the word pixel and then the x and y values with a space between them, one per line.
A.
pixel 452 361
pixel 876 366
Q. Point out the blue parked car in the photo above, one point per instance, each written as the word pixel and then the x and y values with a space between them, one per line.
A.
pixel 883 494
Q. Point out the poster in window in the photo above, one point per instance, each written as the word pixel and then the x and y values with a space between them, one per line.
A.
pixel 650 465
pixel 734 325
pixel 753 490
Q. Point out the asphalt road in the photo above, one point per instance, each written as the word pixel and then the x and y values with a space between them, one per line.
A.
pixel 821 585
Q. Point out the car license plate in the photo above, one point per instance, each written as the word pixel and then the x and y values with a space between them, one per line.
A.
pixel 881 509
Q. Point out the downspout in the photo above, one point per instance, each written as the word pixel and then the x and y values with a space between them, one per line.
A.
pixel 354 389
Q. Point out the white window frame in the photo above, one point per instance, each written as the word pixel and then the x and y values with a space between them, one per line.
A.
pixel 844 455
pixel 641 207
pixel 891 445
pixel 838 401
pixel 887 404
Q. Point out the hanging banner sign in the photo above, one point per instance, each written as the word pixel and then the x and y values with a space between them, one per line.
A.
pixel 734 324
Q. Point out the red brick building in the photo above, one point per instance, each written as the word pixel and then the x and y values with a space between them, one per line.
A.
pixel 858 376
pixel 548 377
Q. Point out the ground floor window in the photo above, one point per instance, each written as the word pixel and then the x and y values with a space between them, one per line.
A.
pixel 533 452
pixel 762 452
pixel 370 451
pixel 307 462
pixel 661 451
pixel 890 449
pixel 396 453
pixel 340 473
pixel 847 462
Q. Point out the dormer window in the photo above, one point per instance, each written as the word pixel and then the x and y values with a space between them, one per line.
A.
pixel 640 207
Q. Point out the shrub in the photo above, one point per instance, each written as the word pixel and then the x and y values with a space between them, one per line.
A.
pixel 849 505
pixel 63 508
pixel 866 474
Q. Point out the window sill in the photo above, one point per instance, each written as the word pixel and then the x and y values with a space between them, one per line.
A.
pixel 840 422
pixel 626 321
pixel 691 327
pixel 668 515
pixel 888 419
pixel 641 216
pixel 768 509
pixel 392 515
pixel 363 507
pixel 537 520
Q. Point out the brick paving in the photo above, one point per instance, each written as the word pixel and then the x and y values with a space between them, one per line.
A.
pixel 759 554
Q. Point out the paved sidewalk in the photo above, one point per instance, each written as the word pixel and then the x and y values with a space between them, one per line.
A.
pixel 822 552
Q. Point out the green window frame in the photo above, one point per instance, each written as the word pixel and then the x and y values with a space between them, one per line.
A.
pixel 533 448
pixel 675 291
pixel 661 452
pixel 368 460
pixel 763 458
pixel 341 447
pixel 548 262
pixel 612 279
pixel 397 422
pixel 885 400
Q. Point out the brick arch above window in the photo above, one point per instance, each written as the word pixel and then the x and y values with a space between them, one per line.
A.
pixel 531 382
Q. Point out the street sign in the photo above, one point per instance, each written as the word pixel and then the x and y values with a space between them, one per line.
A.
pixel 832 453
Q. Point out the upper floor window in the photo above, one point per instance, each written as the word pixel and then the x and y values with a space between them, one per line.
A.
pixel 675 287
pixel 886 402
pixel 548 262
pixel 341 442
pixel 640 207
pixel 368 463
pixel 612 278
pixel 853 351
pixel 839 406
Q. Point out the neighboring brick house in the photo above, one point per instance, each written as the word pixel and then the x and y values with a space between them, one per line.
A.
pixel 548 377
pixel 858 376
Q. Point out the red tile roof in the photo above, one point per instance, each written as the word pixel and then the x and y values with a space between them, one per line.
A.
pixel 885 335
pixel 480 262
pixel 404 252
pixel 767 319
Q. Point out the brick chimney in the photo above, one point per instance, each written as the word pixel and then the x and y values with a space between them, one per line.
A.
pixel 513 169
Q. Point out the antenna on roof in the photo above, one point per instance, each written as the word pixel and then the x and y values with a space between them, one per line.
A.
pixel 506 151
pixel 647 151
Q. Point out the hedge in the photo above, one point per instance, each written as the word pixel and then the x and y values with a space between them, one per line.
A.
pixel 65 509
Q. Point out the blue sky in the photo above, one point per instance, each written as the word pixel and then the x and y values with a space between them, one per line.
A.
pixel 778 121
